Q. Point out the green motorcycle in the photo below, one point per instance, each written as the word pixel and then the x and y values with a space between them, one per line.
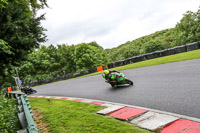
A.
pixel 117 79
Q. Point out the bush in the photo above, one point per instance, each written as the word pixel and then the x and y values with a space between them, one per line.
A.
pixel 9 122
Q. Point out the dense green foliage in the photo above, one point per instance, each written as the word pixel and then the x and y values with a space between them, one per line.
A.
pixel 9 122
pixel 20 33
pixel 50 62
pixel 3 3
pixel 63 116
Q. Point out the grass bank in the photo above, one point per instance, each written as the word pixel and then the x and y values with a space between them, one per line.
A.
pixel 62 116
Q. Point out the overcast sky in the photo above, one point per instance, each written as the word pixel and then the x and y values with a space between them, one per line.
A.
pixel 111 22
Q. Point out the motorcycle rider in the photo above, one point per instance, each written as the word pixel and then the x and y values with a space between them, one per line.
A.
pixel 108 75
pixel 27 90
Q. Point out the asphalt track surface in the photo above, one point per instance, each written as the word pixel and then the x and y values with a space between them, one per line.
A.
pixel 171 87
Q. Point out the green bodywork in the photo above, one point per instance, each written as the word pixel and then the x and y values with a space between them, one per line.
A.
pixel 113 77
pixel 117 79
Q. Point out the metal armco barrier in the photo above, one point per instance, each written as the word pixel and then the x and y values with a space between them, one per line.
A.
pixel 111 65
pixel 180 49
pixel 171 51
pixel 162 53
pixel 25 113
pixel 93 70
pixel 137 58
pixel 128 61
pixel 31 127
pixel 148 56
pixel 193 46
pixel 118 63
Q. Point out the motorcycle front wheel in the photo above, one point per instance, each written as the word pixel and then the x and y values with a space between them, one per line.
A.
pixel 129 81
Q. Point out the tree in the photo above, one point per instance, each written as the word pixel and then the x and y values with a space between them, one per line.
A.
pixel 154 45
pixel 66 55
pixel 3 45
pixel 95 45
pixel 20 31
pixel 38 66
pixel 87 57
pixel 3 3
pixel 188 29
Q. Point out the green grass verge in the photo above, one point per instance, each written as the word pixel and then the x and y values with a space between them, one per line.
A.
pixel 64 116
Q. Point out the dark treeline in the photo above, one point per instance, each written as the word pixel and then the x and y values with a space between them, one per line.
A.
pixel 17 47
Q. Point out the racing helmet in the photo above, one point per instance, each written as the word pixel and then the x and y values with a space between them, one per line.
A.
pixel 106 72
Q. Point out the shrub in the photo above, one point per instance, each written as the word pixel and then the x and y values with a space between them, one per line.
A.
pixel 9 122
